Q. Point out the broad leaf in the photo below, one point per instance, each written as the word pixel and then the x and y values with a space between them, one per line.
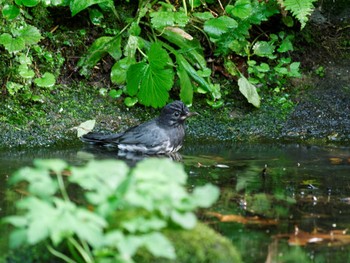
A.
pixel 119 70
pixel 25 72
pixel 151 82
pixel 27 3
pixel 12 44
pixel 206 195
pixel 30 34
pixel 79 5
pixel 242 9
pixel 264 49
pixel 46 81
pixel 249 91
pixel 10 12
pixel 217 26
pixel 159 245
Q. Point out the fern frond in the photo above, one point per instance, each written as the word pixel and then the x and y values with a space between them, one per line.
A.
pixel 300 9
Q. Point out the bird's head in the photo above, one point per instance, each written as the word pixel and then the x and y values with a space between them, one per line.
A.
pixel 175 113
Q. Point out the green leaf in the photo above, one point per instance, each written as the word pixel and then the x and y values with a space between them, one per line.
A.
pixel 78 5
pixel 286 45
pixel 203 15
pixel 242 9
pixel 185 220
pixel 159 245
pixel 300 9
pixel 249 91
pixel 95 16
pixel 101 47
pixel 119 70
pixel 12 44
pixel 205 196
pixel 10 12
pixel 186 88
pixel 30 34
pixel 56 165
pixel 217 26
pixel 46 81
pixel 25 72
pixel 151 82
pixel 13 87
pixel 130 101
pixel 114 94
pixel 27 3
pixel 264 49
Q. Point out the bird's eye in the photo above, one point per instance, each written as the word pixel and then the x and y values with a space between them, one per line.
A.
pixel 176 114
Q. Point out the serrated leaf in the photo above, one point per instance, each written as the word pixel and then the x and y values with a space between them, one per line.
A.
pixel 217 26
pixel 30 34
pixel 12 44
pixel 10 12
pixel 249 91
pixel 119 70
pixel 162 19
pixel 79 5
pixel 46 81
pixel 85 127
pixel 242 9
pixel 151 82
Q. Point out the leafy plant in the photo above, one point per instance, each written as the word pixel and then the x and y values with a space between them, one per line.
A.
pixel 123 209
pixel 20 40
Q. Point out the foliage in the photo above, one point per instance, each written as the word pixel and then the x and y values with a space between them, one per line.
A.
pixel 154 44
pixel 21 40
pixel 123 209
pixel 162 28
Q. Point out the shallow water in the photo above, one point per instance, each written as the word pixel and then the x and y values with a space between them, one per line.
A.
pixel 267 192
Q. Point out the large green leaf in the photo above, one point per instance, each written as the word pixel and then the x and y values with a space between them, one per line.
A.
pixel 27 3
pixel 249 91
pixel 217 26
pixel 119 70
pixel 10 12
pixel 78 5
pixel 30 34
pixel 12 44
pixel 151 81
pixel 242 9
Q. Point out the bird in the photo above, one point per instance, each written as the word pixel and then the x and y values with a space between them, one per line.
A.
pixel 161 135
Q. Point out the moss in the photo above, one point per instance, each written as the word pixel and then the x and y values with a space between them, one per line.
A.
pixel 199 245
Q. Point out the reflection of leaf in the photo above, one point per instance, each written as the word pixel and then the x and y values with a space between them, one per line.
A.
pixel 85 127
pixel 243 220
pixel 301 238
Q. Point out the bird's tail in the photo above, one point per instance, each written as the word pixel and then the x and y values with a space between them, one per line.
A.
pixel 101 139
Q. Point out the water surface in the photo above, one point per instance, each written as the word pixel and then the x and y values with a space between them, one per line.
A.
pixel 279 202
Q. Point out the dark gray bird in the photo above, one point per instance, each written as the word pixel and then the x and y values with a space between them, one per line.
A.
pixel 161 135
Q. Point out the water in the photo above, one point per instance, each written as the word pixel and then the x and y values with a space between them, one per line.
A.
pixel 267 192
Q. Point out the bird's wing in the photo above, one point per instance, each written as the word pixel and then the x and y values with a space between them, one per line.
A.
pixel 148 134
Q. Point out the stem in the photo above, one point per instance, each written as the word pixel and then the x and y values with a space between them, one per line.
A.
pixel 60 255
pixel 185 6
pixel 62 187
pixel 85 254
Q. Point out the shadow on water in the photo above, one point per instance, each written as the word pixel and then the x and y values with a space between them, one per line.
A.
pixel 278 203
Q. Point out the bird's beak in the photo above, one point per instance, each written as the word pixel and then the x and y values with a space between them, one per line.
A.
pixel 190 114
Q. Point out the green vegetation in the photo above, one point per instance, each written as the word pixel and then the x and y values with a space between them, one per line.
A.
pixel 120 210
pixel 153 46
